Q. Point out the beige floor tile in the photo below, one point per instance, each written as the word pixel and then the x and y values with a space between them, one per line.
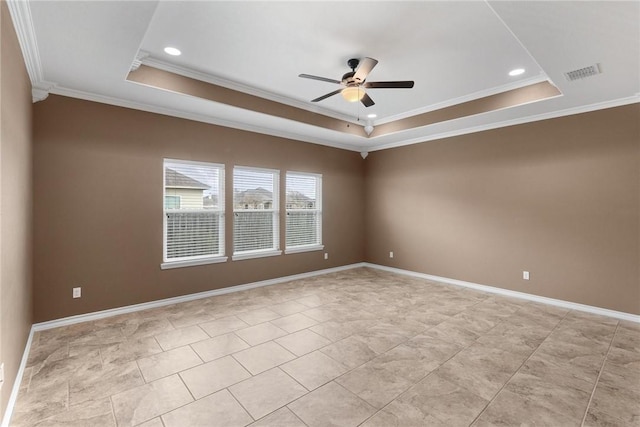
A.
pixel 167 363
pixel 140 327
pixel 223 326
pixel 624 358
pixel 180 337
pixel 102 336
pixel 555 395
pixel 516 339
pixel 89 413
pixel 283 417
pixel 351 352
pixel 288 307
pixel 596 418
pixel 555 371
pixel 620 377
pixel 213 376
pixel 452 331
pixel 434 397
pixel 627 339
pixel 104 382
pixel 303 342
pixel 267 392
pixel 40 403
pixel 219 346
pixel 314 369
pixel 50 352
pixel 294 322
pixel 374 384
pixel 417 357
pixel 509 409
pixel 481 370
pixel 451 348
pixel 263 357
pixel 399 414
pixel 219 409
pixel 143 403
pixel 261 315
pixel 156 422
pixel 331 405
pixel 258 334
pixel 617 402
pixel 319 314
pixel 130 350
pixel 312 301
pixel 63 370
pixel 187 317
pixel 337 330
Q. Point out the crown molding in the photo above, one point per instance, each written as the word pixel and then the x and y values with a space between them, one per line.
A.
pixel 506 123
pixel 466 98
pixel 41 90
pixel 22 21
pixel 102 99
pixel 20 12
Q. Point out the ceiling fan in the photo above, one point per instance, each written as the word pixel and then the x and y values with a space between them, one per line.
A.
pixel 355 82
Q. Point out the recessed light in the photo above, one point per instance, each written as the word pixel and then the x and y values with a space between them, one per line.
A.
pixel 372 116
pixel 172 51
pixel 516 72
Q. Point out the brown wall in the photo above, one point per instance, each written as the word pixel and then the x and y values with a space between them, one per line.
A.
pixel 559 198
pixel 15 204
pixel 98 205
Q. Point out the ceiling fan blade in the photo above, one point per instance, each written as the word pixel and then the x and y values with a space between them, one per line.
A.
pixel 335 92
pixel 366 65
pixel 322 79
pixel 367 101
pixel 408 84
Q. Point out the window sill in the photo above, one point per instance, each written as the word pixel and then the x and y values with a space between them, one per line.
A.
pixel 192 262
pixel 299 249
pixel 256 254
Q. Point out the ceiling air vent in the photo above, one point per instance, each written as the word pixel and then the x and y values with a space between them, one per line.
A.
pixel 582 73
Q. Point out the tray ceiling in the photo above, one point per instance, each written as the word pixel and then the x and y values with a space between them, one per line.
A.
pixel 458 54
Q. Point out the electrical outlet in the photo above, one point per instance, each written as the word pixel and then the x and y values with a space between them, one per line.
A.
pixel 525 275
pixel 326 255
pixel 391 254
pixel 1 375
pixel 77 292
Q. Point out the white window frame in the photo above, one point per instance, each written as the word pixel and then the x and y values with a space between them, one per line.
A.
pixel 201 259
pixel 316 246
pixel 275 210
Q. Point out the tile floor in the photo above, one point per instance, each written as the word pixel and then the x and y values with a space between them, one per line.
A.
pixel 360 347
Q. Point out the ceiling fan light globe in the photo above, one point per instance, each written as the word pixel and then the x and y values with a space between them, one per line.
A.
pixel 353 93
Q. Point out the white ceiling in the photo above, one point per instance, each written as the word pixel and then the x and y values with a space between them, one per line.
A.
pixel 454 51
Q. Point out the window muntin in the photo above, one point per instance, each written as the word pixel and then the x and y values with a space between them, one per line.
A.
pixel 304 211
pixel 256 222
pixel 194 227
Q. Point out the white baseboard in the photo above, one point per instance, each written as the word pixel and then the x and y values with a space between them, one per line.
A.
pixel 16 384
pixel 184 298
pixel 515 294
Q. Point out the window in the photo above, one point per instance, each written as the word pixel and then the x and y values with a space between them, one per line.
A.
pixel 172 202
pixel 193 213
pixel 304 212
pixel 256 222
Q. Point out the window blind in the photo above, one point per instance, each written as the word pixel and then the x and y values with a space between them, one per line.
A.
pixel 256 222
pixel 304 210
pixel 193 210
